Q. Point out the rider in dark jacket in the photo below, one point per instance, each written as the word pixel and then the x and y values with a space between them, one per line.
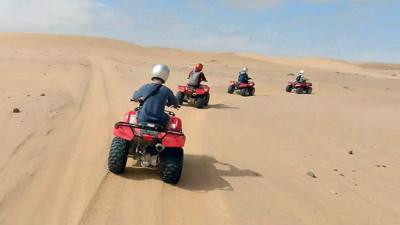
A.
pixel 243 76
pixel 155 96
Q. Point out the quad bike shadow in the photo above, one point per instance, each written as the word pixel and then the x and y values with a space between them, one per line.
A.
pixel 201 173
pixel 221 106
pixel 205 173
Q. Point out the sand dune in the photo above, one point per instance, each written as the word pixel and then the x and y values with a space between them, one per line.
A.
pixel 246 159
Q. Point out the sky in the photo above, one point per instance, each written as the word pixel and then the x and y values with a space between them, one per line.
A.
pixel 357 30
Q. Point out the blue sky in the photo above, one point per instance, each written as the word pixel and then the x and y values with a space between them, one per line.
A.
pixel 361 30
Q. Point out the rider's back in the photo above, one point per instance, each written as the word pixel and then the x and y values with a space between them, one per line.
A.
pixel 154 106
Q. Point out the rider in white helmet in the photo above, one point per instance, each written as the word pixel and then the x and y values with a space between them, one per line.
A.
pixel 300 77
pixel 155 96
pixel 243 76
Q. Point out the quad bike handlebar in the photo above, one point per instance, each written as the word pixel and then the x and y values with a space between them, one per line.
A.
pixel 166 111
pixel 177 107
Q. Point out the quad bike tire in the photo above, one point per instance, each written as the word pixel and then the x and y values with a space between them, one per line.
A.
pixel 172 165
pixel 252 91
pixel 118 155
pixel 243 92
pixel 231 89
pixel 207 99
pixel 309 90
pixel 180 96
pixel 289 88
pixel 200 102
pixel 299 90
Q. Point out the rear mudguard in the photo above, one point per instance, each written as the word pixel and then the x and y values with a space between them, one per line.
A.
pixel 171 140
pixel 204 89
pixel 168 140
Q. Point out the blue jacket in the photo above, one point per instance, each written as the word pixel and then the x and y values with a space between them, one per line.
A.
pixel 153 110
pixel 243 78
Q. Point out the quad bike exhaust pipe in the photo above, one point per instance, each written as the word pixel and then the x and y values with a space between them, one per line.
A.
pixel 159 147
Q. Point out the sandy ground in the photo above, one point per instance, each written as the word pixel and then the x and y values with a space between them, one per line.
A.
pixel 246 159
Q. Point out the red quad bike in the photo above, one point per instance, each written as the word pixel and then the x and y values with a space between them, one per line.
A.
pixel 244 89
pixel 152 145
pixel 299 88
pixel 199 96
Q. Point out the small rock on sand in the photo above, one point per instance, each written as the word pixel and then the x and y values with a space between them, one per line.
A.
pixel 351 152
pixel 16 110
pixel 311 174
pixel 43 94
pixel 334 192
pixel 383 166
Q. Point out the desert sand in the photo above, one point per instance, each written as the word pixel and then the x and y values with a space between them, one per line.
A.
pixel 247 159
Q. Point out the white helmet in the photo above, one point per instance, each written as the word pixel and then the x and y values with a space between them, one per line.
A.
pixel 301 72
pixel 245 69
pixel 160 71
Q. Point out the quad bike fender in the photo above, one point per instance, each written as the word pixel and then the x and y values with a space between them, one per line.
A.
pixel 175 124
pixel 200 92
pixel 203 90
pixel 243 85
pixel 232 82
pixel 124 132
pixel 182 88
pixel 174 141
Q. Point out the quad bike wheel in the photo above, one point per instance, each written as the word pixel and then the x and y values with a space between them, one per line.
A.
pixel 252 90
pixel 171 169
pixel 180 96
pixel 207 99
pixel 200 102
pixel 299 90
pixel 289 88
pixel 243 92
pixel 231 89
pixel 309 90
pixel 118 155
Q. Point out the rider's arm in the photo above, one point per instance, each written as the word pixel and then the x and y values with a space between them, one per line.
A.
pixel 190 74
pixel 138 94
pixel 203 77
pixel 172 99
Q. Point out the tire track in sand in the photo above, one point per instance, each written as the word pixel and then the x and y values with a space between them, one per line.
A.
pixel 70 169
pixel 139 195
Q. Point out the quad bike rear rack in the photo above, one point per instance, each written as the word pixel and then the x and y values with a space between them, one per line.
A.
pixel 155 128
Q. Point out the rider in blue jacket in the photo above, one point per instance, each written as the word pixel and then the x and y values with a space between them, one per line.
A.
pixel 243 76
pixel 155 96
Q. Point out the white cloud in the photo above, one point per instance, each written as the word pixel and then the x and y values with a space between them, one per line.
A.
pixel 45 15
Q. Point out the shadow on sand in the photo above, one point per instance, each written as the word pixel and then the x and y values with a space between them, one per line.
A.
pixel 221 106
pixel 200 173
